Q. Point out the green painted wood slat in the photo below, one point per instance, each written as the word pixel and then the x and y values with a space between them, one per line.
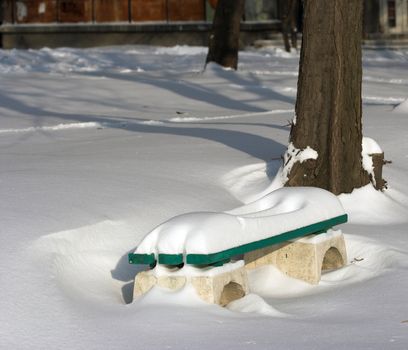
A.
pixel 213 258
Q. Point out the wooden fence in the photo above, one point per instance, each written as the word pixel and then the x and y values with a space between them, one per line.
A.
pixel 102 11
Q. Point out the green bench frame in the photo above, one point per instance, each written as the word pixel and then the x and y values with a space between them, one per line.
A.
pixel 221 257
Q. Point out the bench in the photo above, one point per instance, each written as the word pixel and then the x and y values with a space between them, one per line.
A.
pixel 259 233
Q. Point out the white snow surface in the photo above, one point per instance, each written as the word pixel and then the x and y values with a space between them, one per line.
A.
pixel 315 239
pixel 53 128
pixel 402 107
pixel 281 211
pixel 370 146
pixel 76 200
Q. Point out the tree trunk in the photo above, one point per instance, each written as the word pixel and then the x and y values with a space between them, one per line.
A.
pixel 293 23
pixel 328 106
pixel 290 9
pixel 371 20
pixel 224 40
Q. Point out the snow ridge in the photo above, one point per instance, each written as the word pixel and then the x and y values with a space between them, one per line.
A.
pixel 221 117
pixel 58 127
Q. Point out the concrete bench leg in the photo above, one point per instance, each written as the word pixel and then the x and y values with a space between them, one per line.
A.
pixel 215 288
pixel 303 258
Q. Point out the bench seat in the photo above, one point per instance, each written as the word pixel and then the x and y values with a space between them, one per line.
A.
pixel 206 238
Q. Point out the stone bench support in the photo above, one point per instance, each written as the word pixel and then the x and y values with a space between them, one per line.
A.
pixel 303 258
pixel 217 285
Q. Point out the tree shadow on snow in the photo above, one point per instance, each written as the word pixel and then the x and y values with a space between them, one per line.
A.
pixel 254 145
pixel 209 94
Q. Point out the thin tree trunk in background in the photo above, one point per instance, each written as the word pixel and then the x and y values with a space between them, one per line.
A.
pixel 328 106
pixel 293 23
pixel 290 9
pixel 371 21
pixel 224 40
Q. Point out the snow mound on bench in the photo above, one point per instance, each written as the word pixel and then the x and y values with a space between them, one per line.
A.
pixel 210 232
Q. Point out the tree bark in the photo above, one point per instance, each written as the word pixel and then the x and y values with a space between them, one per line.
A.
pixel 378 162
pixel 224 40
pixel 328 106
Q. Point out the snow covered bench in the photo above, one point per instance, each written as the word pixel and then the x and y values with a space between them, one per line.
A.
pixel 267 231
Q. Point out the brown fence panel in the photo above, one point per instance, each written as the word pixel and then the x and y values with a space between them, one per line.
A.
pixel 186 10
pixel 149 10
pixel 35 11
pixel 72 11
pixel 111 10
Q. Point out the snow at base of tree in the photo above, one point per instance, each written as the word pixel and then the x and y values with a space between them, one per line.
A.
pixel 294 120
pixel 294 155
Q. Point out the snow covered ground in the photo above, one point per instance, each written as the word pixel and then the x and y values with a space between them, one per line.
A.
pixel 99 146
